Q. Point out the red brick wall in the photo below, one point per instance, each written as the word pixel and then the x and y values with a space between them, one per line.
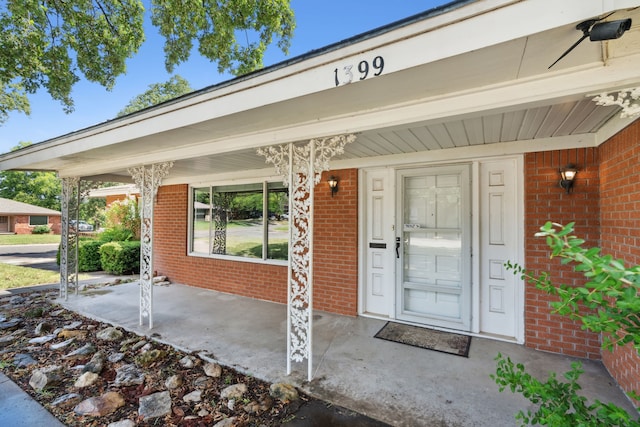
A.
pixel 19 224
pixel 620 231
pixel 336 246
pixel 546 201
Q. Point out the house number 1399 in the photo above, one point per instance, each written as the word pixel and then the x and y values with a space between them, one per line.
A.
pixel 345 76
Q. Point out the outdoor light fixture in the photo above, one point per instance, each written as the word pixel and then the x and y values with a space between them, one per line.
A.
pixel 333 184
pixel 568 174
pixel 598 31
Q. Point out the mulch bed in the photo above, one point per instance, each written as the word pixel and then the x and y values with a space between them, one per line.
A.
pixel 38 307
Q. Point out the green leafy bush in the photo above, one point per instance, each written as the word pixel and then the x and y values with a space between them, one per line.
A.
pixel 120 257
pixel 41 229
pixel 117 234
pixel 606 303
pixel 122 217
pixel 89 255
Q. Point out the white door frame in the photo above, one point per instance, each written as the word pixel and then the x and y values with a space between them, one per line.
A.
pixel 392 166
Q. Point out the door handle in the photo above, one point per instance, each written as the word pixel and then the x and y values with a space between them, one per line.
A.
pixel 398 247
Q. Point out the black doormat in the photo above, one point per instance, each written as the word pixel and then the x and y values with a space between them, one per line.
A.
pixel 430 339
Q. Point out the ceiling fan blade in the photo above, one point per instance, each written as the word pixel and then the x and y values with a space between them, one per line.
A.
pixel 584 36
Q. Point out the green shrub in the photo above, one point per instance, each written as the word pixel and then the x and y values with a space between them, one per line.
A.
pixel 120 257
pixel 89 255
pixel 606 303
pixel 117 234
pixel 41 229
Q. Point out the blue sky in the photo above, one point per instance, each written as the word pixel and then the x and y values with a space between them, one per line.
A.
pixel 319 23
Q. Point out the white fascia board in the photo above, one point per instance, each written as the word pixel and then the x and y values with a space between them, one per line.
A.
pixel 468 28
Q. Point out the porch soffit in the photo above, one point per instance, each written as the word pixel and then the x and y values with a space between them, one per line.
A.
pixel 501 93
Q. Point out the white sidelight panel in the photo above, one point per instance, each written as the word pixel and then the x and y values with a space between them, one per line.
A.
pixel 501 307
pixel 378 243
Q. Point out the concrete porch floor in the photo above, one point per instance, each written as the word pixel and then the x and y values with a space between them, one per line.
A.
pixel 395 383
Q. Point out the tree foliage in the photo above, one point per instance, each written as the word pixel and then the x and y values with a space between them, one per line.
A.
pixel 235 33
pixel 50 44
pixel 36 188
pixel 157 93
pixel 607 302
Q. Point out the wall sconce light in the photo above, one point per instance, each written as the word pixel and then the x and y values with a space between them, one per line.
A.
pixel 568 175
pixel 333 184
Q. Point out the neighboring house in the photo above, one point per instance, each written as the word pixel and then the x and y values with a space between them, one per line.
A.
pixel 22 218
pixel 116 192
pixel 450 134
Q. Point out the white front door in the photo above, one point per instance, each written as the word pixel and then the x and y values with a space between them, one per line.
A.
pixel 434 257
pixel 379 249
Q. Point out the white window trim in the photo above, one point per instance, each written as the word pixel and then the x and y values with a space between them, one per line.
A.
pixel 192 253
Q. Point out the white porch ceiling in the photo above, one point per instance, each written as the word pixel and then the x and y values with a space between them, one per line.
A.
pixel 502 93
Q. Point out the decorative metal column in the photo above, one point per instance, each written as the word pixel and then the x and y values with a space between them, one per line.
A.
pixel 148 179
pixel 69 235
pixel 301 168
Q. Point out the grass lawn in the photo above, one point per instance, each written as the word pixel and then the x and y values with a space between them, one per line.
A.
pixel 14 276
pixel 28 239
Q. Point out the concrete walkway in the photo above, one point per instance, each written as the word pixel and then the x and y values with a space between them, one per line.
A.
pixel 18 409
pixel 394 383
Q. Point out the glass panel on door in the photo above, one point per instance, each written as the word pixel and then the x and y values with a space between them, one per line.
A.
pixel 434 285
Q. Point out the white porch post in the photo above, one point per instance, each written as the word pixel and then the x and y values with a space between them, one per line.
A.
pixel 69 236
pixel 148 179
pixel 301 168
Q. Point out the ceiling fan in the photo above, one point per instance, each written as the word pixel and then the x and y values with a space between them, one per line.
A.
pixel 598 31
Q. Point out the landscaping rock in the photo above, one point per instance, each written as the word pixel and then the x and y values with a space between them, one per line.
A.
pixel 283 392
pixel 100 406
pixel 72 333
pixel 45 377
pixel 127 375
pixel 6 340
pixel 85 380
pixel 213 370
pixel 235 391
pixel 173 382
pixel 155 405
pixel 110 334
pixel 22 360
pixel 193 397
pixel 10 324
pixel 85 350
pixel 43 328
pixel 115 357
pixel 67 400
pixel 150 357
pixel 227 422
pixel 187 362
pixel 122 423
pixel 42 339
pixel 96 363
pixel 62 344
